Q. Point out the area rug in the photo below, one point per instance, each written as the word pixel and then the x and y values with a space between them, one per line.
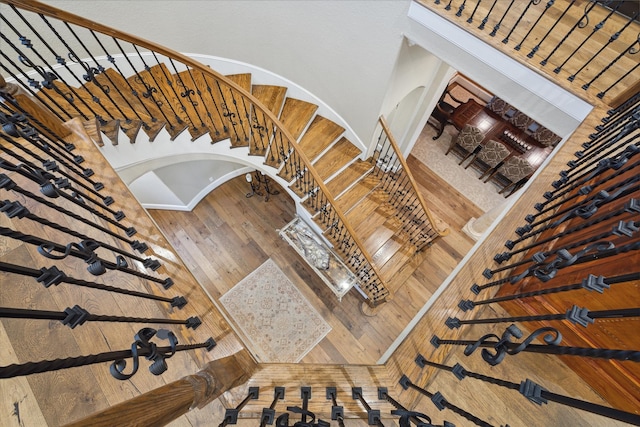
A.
pixel 274 316
pixel 431 153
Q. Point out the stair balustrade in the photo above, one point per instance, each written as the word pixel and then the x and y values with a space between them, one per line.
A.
pixel 404 196
pixel 113 81
pixel 551 36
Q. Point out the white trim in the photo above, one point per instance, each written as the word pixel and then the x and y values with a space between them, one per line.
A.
pixel 501 63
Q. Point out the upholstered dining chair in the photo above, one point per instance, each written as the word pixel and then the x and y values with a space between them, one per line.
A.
pixel 511 174
pixel 489 157
pixel 467 142
pixel 443 113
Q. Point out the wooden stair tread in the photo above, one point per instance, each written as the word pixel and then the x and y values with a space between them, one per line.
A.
pixel 130 105
pixel 214 111
pixel 396 256
pixel 348 176
pixel 321 133
pixel 335 159
pixel 376 239
pixel 332 161
pixel 270 96
pixel 194 102
pixel 296 114
pixel 388 250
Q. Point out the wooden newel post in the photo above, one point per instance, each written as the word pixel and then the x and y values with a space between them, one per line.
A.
pixel 164 404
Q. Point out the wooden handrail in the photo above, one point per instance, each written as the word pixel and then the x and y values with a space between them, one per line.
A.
pixel 394 144
pixel 47 10
pixel 164 404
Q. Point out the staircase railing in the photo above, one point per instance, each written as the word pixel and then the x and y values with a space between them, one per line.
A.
pixel 589 47
pixel 165 89
pixel 397 181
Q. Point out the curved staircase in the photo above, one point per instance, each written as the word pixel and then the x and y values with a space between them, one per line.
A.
pixel 365 209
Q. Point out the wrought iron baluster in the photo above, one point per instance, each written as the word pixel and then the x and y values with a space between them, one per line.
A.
pixel 47 76
pixel 147 349
pixel 372 414
pixel 77 316
pixel 188 92
pixel 601 94
pixel 269 414
pixel 596 28
pixel 632 49
pixel 539 395
pixel 27 87
pixel 486 18
pixel 337 412
pixel 591 283
pixel 497 26
pixel 15 209
pixel 441 403
pixel 613 38
pixel 231 414
pixel 535 24
pixel 470 19
pixel 581 23
pixel 53 276
pixel 148 89
pixel 537 46
pixel 76 59
pixel 524 12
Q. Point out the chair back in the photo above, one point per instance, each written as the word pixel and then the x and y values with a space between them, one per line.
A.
pixel 515 168
pixel 469 138
pixel 492 153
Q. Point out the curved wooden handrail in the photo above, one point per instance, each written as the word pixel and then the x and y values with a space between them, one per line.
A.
pixel 47 10
pixel 394 144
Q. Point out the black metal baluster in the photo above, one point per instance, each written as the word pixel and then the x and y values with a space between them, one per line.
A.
pixel 27 87
pixel 15 209
pixel 545 272
pixel 632 49
pixel 470 19
pixel 632 206
pixel 215 104
pixel 601 94
pixel 53 276
pixel 188 92
pixel 97 265
pixel 539 395
pixel 158 87
pixel 613 38
pixel 497 26
pixel 524 12
pixel 373 415
pixel 99 69
pixel 537 46
pixel 76 59
pixel 50 190
pixel 133 92
pixel 486 18
pixel 590 283
pixel 141 347
pixel 622 228
pixel 581 23
pixel 441 403
pixel 47 76
pixel 269 414
pixel 337 412
pixel 77 316
pixel 535 24
pixel 149 90
pixel 596 28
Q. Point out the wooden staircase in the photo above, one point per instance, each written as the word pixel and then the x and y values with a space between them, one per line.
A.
pixel 194 102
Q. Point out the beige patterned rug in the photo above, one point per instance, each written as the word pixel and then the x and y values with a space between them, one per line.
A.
pixel 273 315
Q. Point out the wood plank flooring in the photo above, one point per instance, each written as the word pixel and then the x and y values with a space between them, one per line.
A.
pixel 228 235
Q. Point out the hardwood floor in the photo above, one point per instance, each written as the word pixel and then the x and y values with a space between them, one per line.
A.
pixel 228 235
